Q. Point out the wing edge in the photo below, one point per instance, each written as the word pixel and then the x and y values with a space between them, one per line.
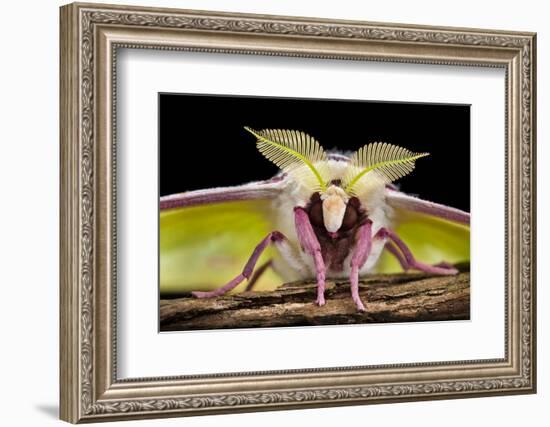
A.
pixel 252 191
pixel 399 200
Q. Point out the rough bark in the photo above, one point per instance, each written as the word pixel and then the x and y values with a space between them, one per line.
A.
pixel 403 297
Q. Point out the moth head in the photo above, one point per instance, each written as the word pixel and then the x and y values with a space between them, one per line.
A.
pixel 301 156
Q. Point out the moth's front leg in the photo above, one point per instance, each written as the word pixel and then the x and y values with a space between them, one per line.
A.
pixel 360 255
pixel 310 244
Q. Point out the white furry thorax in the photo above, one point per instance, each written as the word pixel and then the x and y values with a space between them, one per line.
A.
pixel 294 264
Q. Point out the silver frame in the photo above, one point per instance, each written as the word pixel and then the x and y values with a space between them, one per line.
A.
pixel 90 36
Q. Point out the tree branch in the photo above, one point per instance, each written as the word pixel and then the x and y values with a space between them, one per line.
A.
pixel 404 297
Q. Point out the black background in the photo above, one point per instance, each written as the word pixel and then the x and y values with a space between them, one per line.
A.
pixel 203 144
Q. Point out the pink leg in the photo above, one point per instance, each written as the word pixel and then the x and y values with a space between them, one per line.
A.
pixel 274 237
pixel 408 260
pixel 257 274
pixel 311 245
pixel 358 259
pixel 390 246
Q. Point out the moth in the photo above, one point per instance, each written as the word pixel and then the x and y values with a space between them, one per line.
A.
pixel 323 216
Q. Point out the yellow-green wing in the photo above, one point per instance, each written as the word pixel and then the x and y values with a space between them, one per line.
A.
pixel 434 233
pixel 207 237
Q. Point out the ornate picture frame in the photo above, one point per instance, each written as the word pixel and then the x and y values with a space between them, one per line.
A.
pixel 90 37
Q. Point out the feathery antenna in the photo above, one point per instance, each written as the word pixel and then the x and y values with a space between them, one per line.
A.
pixel 291 150
pixel 385 161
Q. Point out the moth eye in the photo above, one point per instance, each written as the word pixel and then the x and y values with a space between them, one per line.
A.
pixel 316 214
pixel 350 218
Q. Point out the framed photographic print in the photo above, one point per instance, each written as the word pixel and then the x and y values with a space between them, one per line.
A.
pixel 208 235
pixel 266 212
